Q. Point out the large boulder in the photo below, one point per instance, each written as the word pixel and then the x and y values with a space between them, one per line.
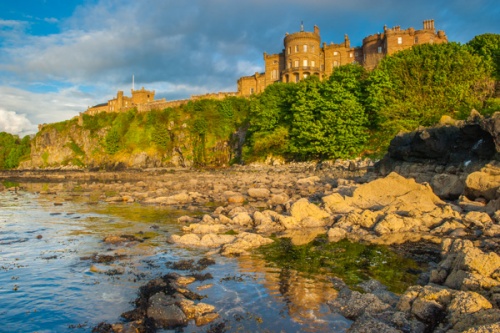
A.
pixel 308 214
pixel 446 143
pixel 394 190
pixel 484 183
pixel 492 126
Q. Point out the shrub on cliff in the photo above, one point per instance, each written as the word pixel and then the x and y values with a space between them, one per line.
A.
pixel 417 86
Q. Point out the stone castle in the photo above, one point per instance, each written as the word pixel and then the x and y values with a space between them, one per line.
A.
pixel 303 55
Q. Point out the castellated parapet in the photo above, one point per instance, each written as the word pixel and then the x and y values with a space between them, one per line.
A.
pixel 304 55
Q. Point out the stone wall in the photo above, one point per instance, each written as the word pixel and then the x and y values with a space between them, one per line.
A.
pixel 303 54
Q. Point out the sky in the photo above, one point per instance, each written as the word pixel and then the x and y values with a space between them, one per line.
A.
pixel 58 57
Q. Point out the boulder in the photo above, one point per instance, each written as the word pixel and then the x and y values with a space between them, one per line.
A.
pixel 201 228
pixel 492 126
pixel 215 241
pixel 244 242
pixel 259 193
pixel 483 183
pixel 447 186
pixel 164 312
pixel 308 214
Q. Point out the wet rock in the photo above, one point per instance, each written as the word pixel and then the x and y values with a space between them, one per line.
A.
pixel 244 242
pixel 163 311
pixel 369 324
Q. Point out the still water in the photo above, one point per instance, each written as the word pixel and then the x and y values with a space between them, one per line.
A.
pixel 51 282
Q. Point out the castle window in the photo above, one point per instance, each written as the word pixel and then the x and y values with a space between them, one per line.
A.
pixel 305 48
pixel 289 50
pixel 400 40
pixel 296 48
pixel 274 74
pixel 312 48
pixel 306 75
pixel 297 77
pixel 335 63
pixel 416 39
pixel 379 49
pixel 251 90
pixel 350 55
pixel 304 63
pixel 289 64
pixel 335 53
pixel 313 63
pixel 296 63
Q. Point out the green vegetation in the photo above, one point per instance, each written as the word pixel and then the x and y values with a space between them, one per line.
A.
pixel 352 262
pixel 355 113
pixel 13 150
pixel 352 113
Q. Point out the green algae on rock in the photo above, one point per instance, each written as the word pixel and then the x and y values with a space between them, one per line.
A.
pixel 352 262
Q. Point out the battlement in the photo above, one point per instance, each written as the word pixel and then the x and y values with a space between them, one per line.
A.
pixel 304 55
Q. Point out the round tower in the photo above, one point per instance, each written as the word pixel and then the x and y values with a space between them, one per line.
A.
pixel 302 55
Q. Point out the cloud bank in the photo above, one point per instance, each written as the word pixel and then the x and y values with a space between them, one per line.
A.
pixel 14 123
pixel 189 47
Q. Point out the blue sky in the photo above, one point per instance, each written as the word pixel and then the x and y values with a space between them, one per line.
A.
pixel 57 57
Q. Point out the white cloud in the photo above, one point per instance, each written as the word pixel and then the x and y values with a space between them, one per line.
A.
pixel 14 123
pixel 42 108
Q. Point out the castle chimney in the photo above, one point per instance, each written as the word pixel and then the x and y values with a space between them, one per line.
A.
pixel 316 30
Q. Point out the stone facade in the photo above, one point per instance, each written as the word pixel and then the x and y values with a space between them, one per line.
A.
pixel 122 103
pixel 143 100
pixel 304 55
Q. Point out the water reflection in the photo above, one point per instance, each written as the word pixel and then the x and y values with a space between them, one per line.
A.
pixel 303 298
pixel 51 284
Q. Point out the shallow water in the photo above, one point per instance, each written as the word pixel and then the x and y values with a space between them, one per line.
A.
pixel 48 282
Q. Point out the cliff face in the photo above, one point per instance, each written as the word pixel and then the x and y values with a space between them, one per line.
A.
pixel 72 143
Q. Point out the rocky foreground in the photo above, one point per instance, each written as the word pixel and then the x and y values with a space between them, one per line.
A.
pixel 451 200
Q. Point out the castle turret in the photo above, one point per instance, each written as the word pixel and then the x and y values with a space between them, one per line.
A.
pixel 302 55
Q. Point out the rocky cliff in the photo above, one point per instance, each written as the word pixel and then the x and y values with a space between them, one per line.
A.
pixel 74 144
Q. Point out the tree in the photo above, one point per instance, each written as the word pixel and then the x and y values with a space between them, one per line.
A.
pixel 270 121
pixel 415 87
pixel 328 121
pixel 487 46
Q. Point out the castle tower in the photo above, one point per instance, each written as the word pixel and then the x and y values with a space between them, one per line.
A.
pixel 142 96
pixel 301 55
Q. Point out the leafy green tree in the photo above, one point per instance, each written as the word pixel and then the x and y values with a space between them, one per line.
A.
pixel 328 121
pixel 417 86
pixel 270 120
pixel 488 47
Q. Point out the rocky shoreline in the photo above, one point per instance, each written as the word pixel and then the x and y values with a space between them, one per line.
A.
pixel 244 206
pixel 407 200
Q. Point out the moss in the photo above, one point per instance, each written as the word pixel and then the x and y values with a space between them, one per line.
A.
pixel 352 262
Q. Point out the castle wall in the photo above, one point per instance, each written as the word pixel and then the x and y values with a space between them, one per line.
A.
pixel 304 56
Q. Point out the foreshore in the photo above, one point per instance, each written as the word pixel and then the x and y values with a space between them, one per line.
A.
pixel 347 199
